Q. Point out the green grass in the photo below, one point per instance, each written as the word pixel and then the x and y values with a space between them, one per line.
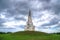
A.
pixel 29 35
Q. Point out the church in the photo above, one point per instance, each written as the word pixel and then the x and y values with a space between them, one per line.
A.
pixel 29 26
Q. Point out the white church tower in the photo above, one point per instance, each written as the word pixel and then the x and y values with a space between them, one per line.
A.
pixel 29 26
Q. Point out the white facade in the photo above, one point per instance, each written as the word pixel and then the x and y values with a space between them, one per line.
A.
pixel 29 26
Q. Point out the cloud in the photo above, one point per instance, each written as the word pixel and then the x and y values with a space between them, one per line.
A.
pixel 14 23
pixel 45 13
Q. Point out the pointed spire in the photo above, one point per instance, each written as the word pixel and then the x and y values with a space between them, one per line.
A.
pixel 29 12
pixel 29 26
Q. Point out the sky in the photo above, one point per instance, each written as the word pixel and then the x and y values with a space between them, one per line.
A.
pixel 45 15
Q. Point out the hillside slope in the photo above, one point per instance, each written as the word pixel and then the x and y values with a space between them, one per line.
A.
pixel 29 35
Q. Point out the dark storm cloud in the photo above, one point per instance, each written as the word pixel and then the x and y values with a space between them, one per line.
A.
pixel 4 4
pixel 1 22
pixel 44 0
pixel 20 18
pixel 14 8
pixel 56 7
pixel 53 5
pixel 52 22
pixel 20 8
pixel 17 7
pixel 47 5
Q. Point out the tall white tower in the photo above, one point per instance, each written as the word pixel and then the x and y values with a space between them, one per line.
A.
pixel 29 26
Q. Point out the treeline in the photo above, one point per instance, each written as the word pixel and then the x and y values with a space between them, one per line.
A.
pixel 57 33
pixel 5 32
pixel 54 33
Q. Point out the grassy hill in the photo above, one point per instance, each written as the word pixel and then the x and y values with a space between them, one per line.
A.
pixel 29 35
